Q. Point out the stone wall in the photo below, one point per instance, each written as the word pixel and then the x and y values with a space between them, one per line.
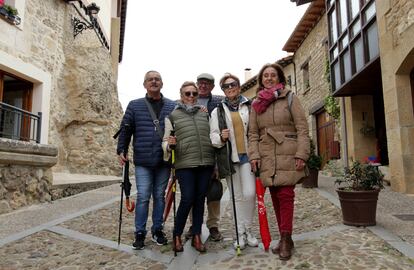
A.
pixel 84 110
pixel 313 50
pixel 396 42
pixel 25 173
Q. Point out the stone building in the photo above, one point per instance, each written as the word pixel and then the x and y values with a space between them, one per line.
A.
pixel 371 63
pixel 371 60
pixel 58 97
pixel 308 73
pixel 368 48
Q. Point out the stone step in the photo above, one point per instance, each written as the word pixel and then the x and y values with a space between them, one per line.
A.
pixel 68 184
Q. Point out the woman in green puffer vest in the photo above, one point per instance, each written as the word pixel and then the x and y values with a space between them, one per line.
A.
pixel 194 161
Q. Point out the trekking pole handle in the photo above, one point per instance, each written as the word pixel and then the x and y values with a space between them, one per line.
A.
pixel 172 133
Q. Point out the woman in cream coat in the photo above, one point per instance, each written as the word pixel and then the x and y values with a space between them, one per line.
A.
pixel 236 110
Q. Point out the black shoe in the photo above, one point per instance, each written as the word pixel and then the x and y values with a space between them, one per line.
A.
pixel 215 235
pixel 139 241
pixel 159 238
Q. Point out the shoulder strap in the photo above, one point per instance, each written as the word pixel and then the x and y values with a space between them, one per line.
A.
pixel 155 121
pixel 221 117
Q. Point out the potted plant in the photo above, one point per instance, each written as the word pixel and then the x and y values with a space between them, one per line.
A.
pixel 314 164
pixel 358 194
pixel 10 13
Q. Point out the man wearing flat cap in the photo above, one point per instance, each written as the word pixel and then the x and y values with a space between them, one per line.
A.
pixel 205 83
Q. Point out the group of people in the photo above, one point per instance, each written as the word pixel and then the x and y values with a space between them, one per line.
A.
pixel 215 137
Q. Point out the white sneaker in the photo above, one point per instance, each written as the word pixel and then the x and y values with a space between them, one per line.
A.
pixel 251 240
pixel 242 242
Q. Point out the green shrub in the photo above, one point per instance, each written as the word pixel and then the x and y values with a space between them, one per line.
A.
pixel 314 161
pixel 361 177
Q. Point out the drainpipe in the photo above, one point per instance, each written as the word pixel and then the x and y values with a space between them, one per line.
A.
pixel 344 133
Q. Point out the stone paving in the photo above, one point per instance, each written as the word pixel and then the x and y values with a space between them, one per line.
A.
pixel 88 241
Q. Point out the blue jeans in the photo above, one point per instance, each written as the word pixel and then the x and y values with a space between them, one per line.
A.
pixel 193 186
pixel 150 181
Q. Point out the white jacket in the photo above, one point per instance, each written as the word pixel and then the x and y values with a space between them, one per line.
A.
pixel 215 130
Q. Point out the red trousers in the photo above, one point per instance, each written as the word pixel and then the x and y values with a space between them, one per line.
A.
pixel 283 203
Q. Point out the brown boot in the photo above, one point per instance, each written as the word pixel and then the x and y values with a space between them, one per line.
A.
pixel 197 244
pixel 177 245
pixel 276 249
pixel 286 246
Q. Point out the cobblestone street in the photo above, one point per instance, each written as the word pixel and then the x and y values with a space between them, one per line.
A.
pixel 80 232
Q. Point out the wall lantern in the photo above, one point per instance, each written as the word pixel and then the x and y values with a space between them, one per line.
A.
pixel 82 24
pixel 87 20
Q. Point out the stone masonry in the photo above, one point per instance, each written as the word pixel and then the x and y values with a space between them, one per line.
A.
pixel 314 52
pixel 25 173
pixel 84 110
pixel 396 42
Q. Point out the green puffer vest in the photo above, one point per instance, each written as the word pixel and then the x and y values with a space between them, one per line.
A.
pixel 193 139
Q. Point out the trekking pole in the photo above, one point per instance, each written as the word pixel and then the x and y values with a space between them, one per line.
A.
pixel 125 183
pixel 120 211
pixel 173 185
pixel 238 252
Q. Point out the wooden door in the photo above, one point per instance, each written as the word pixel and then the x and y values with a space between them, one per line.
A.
pixel 18 93
pixel 325 131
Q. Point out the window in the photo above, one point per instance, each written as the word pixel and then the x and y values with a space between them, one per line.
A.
pixel 372 39
pixel 369 12
pixel 16 121
pixel 353 38
pixel 356 27
pixel 346 62
pixel 354 8
pixel 305 75
pixel 343 15
pixel 358 55
pixel 337 75
pixel 332 26
pixel 289 80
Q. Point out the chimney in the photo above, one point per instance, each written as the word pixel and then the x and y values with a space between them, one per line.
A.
pixel 247 74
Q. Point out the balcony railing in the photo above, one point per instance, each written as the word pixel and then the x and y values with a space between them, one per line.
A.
pixel 18 124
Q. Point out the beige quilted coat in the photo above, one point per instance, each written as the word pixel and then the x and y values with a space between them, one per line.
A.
pixel 276 138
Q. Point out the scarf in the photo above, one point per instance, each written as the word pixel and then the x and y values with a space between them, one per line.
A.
pixel 233 104
pixel 266 97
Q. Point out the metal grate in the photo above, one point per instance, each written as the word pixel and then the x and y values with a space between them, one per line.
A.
pixel 405 217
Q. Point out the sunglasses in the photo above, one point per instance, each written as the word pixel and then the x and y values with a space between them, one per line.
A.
pixel 231 85
pixel 188 94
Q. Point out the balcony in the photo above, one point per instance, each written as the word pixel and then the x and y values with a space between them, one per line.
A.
pixel 18 124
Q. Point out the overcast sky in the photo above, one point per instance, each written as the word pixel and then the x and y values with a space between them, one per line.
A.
pixel 184 38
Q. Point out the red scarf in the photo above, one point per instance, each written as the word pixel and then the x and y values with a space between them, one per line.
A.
pixel 266 97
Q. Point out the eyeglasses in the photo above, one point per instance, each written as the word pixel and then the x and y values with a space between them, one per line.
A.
pixel 201 82
pixel 153 79
pixel 231 85
pixel 188 94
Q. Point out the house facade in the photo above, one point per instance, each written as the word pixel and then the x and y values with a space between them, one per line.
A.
pixel 58 98
pixel 368 68
pixel 371 47
pixel 310 77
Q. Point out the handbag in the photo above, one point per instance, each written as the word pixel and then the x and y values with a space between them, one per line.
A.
pixel 215 190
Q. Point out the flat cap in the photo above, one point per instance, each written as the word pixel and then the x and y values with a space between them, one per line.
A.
pixel 205 76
